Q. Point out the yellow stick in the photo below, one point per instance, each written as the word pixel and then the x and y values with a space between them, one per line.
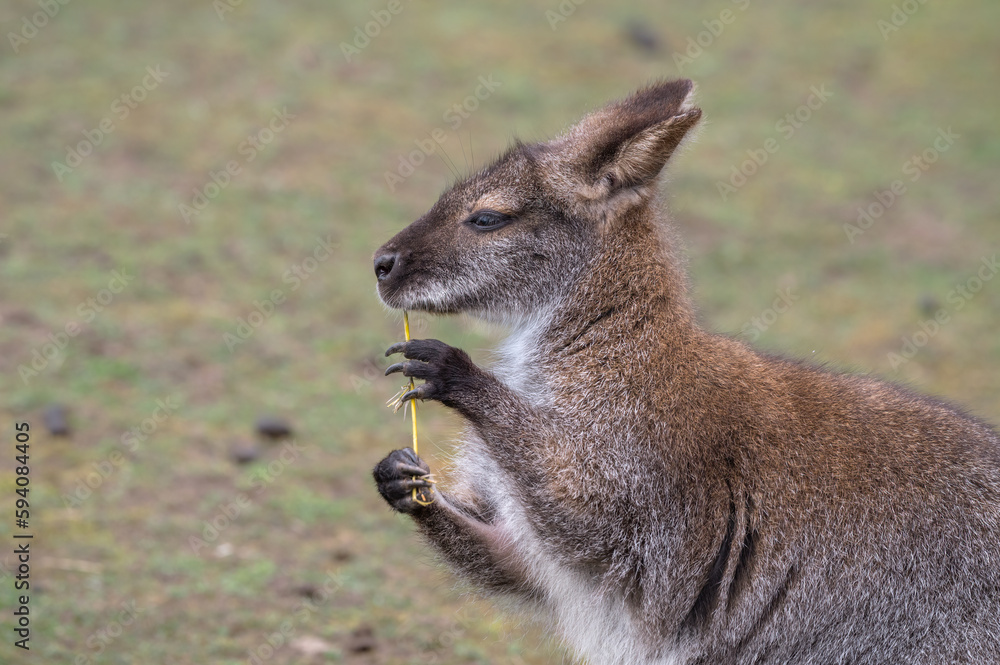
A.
pixel 417 496
pixel 413 402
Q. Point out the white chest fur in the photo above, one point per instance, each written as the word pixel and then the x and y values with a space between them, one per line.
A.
pixel 517 359
pixel 595 625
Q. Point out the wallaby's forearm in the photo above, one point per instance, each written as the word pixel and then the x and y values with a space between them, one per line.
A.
pixel 463 535
pixel 481 551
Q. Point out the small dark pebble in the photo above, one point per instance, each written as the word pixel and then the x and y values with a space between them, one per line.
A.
pixel 310 591
pixel 643 36
pixel 243 452
pixel 362 639
pixel 273 427
pixel 929 305
pixel 56 420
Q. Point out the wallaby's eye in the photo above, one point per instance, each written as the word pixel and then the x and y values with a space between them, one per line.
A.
pixel 487 220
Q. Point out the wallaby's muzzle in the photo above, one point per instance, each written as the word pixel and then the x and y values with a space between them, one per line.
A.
pixel 401 272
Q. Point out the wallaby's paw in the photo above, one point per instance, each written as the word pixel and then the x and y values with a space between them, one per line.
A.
pixel 447 371
pixel 398 475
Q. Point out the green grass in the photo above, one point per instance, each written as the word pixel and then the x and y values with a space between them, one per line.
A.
pixel 317 359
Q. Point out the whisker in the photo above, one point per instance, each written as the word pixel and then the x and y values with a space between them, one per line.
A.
pixel 462 145
pixel 449 164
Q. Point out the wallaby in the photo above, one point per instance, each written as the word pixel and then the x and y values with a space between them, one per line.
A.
pixel 663 494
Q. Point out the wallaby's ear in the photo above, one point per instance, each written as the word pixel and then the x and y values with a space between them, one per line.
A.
pixel 627 143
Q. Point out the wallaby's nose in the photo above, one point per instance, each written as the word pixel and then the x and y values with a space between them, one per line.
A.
pixel 383 266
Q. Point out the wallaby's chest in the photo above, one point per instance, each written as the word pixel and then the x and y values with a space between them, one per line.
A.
pixel 595 622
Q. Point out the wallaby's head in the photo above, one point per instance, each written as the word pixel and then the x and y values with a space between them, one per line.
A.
pixel 513 237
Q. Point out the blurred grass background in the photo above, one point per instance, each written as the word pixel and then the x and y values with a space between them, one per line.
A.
pixel 296 518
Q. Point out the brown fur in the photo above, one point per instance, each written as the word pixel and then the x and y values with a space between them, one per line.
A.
pixel 714 504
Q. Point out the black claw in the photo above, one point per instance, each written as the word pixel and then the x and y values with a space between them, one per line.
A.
pixel 398 367
pixel 411 470
pixel 412 394
pixel 395 348
pixel 414 461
